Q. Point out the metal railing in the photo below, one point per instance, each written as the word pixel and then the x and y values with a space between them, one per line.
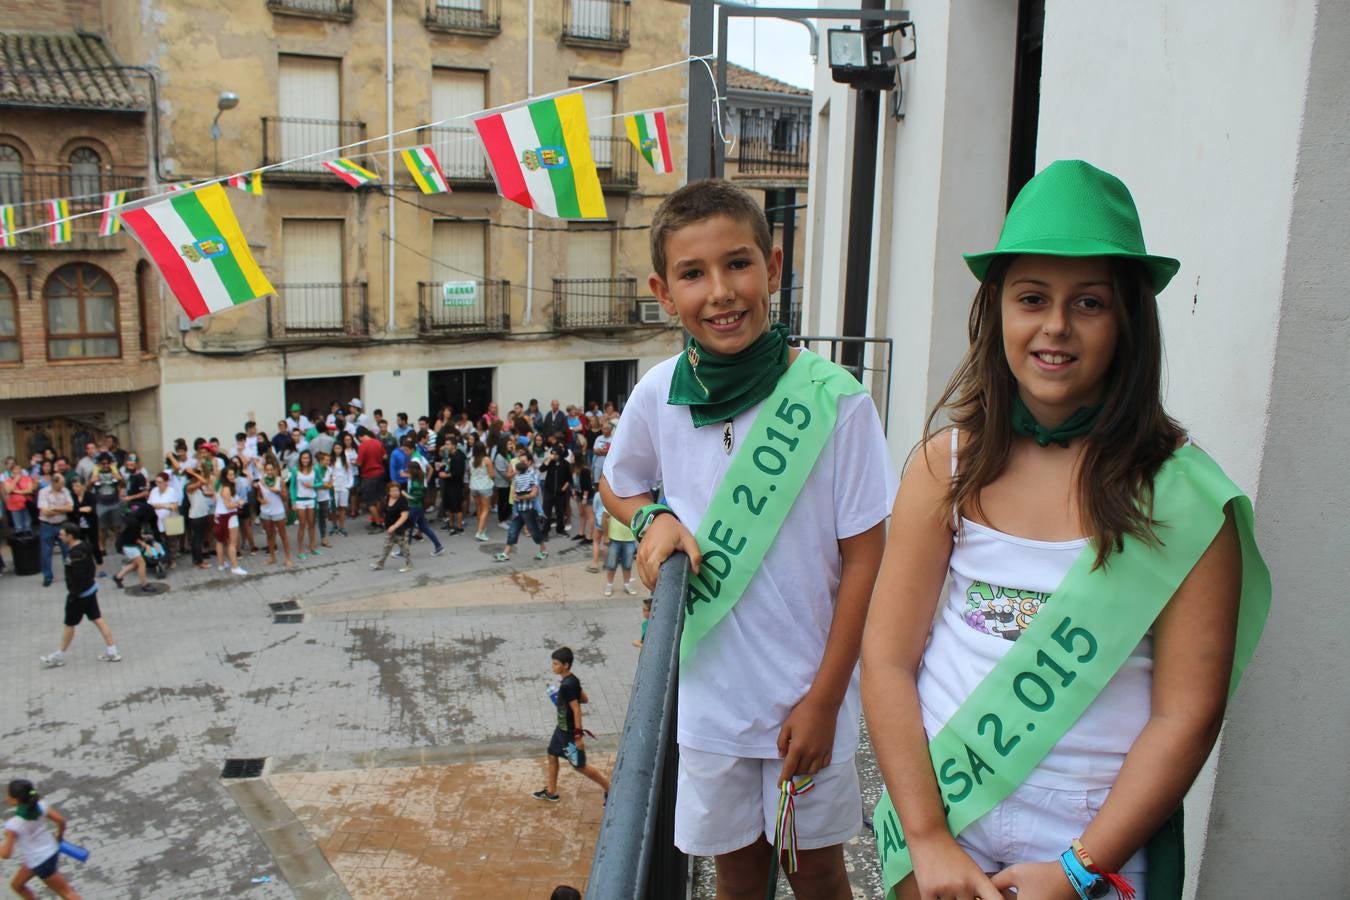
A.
pixel 635 853
pixel 83 192
pixel 342 10
pixel 580 303
pixel 596 23
pixel 287 137
pixel 299 312
pixel 460 154
pixel 774 141
pixel 615 162
pixel 859 356
pixel 459 307
pixel 472 16
pixel 794 319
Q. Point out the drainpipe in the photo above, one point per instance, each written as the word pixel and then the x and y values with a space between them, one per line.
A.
pixel 529 214
pixel 389 144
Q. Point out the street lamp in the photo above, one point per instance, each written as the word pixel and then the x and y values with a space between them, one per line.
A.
pixel 226 100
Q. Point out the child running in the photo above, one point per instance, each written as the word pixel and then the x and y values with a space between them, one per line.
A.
pixel 397 530
pixel 775 471
pixel 1105 591
pixel 37 847
pixel 569 738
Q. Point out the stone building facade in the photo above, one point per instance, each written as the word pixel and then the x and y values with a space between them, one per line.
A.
pixel 79 318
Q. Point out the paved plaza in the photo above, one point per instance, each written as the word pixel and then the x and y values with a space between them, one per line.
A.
pixel 402 720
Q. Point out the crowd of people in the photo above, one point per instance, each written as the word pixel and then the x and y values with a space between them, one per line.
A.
pixel 286 495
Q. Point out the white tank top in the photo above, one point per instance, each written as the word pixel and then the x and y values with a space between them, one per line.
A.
pixel 304 485
pixel 997 584
pixel 221 508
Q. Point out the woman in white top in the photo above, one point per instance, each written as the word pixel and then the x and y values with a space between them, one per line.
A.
pixel 164 500
pixel 304 497
pixel 226 524
pixel 27 834
pixel 1059 434
pixel 341 472
pixel 272 510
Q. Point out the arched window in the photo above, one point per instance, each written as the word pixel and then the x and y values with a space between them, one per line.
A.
pixel 11 175
pixel 85 167
pixel 9 322
pixel 81 303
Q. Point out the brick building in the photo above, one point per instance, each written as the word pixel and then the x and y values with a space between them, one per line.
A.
pixel 78 319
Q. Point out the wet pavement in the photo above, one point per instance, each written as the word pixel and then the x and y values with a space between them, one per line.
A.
pixel 401 718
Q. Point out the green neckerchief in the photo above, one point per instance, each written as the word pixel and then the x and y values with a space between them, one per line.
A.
pixel 717 388
pixel 1076 425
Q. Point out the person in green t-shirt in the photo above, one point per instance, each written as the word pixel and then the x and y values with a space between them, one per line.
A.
pixel 417 514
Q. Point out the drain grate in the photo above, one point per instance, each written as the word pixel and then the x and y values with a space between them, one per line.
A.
pixel 283 606
pixel 243 768
pixel 288 618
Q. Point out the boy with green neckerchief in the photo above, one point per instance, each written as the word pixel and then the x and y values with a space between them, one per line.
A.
pixel 777 484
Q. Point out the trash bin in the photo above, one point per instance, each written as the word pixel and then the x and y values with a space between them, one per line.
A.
pixel 23 545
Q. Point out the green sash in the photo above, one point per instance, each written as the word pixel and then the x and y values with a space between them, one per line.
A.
pixel 763 481
pixel 1074 646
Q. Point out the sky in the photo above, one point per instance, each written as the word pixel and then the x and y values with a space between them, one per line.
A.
pixel 775 47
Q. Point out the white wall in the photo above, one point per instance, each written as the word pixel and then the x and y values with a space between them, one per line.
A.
pixel 210 407
pixel 1199 114
pixel 543 379
pixel 396 393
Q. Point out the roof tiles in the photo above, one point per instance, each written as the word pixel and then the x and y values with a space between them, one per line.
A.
pixel 750 80
pixel 66 70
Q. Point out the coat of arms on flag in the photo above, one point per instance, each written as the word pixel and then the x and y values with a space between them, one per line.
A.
pixel 425 170
pixel 648 133
pixel 195 241
pixel 540 155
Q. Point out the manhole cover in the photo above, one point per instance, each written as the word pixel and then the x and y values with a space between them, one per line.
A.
pixel 288 618
pixel 283 606
pixel 243 768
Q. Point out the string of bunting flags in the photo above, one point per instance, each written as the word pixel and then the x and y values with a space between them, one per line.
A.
pixel 538 151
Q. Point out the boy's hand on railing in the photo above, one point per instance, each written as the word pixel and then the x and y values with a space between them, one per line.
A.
pixel 664 536
pixel 806 740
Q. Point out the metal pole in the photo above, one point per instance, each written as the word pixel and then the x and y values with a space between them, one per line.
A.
pixel 529 214
pixel 856 270
pixel 789 214
pixel 700 91
pixel 389 144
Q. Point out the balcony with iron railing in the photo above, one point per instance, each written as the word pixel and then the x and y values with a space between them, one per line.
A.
pixel 598 24
pixel 290 137
pixel 774 143
pixel 335 10
pixel 328 310
pixel 581 304
pixel 794 313
pixel 479 17
pixel 27 189
pixel 452 308
pixel 615 162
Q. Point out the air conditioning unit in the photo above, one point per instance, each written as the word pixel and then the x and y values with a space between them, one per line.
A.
pixel 651 313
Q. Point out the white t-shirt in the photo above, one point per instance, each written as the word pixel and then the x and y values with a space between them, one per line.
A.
pixel 752 669
pixel 168 495
pixel 270 497
pixel 32 839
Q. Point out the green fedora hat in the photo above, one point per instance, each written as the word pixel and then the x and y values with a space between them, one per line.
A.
pixel 1075 209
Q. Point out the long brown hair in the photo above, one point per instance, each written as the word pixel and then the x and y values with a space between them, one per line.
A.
pixel 1133 435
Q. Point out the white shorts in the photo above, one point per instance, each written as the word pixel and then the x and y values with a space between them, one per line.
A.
pixel 1035 824
pixel 304 503
pixel 724 803
pixel 343 495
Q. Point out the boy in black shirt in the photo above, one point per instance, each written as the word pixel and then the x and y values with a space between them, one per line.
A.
pixel 81 598
pixel 568 737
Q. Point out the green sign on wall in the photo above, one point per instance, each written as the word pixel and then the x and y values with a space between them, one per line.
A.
pixel 460 293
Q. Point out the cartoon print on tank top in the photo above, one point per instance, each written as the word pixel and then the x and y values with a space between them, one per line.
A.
pixel 1000 611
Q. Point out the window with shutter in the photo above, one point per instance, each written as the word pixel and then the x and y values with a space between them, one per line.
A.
pixel 456 93
pixel 312 289
pixel 309 106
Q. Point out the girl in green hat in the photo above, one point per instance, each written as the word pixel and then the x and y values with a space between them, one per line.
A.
pixel 1103 591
